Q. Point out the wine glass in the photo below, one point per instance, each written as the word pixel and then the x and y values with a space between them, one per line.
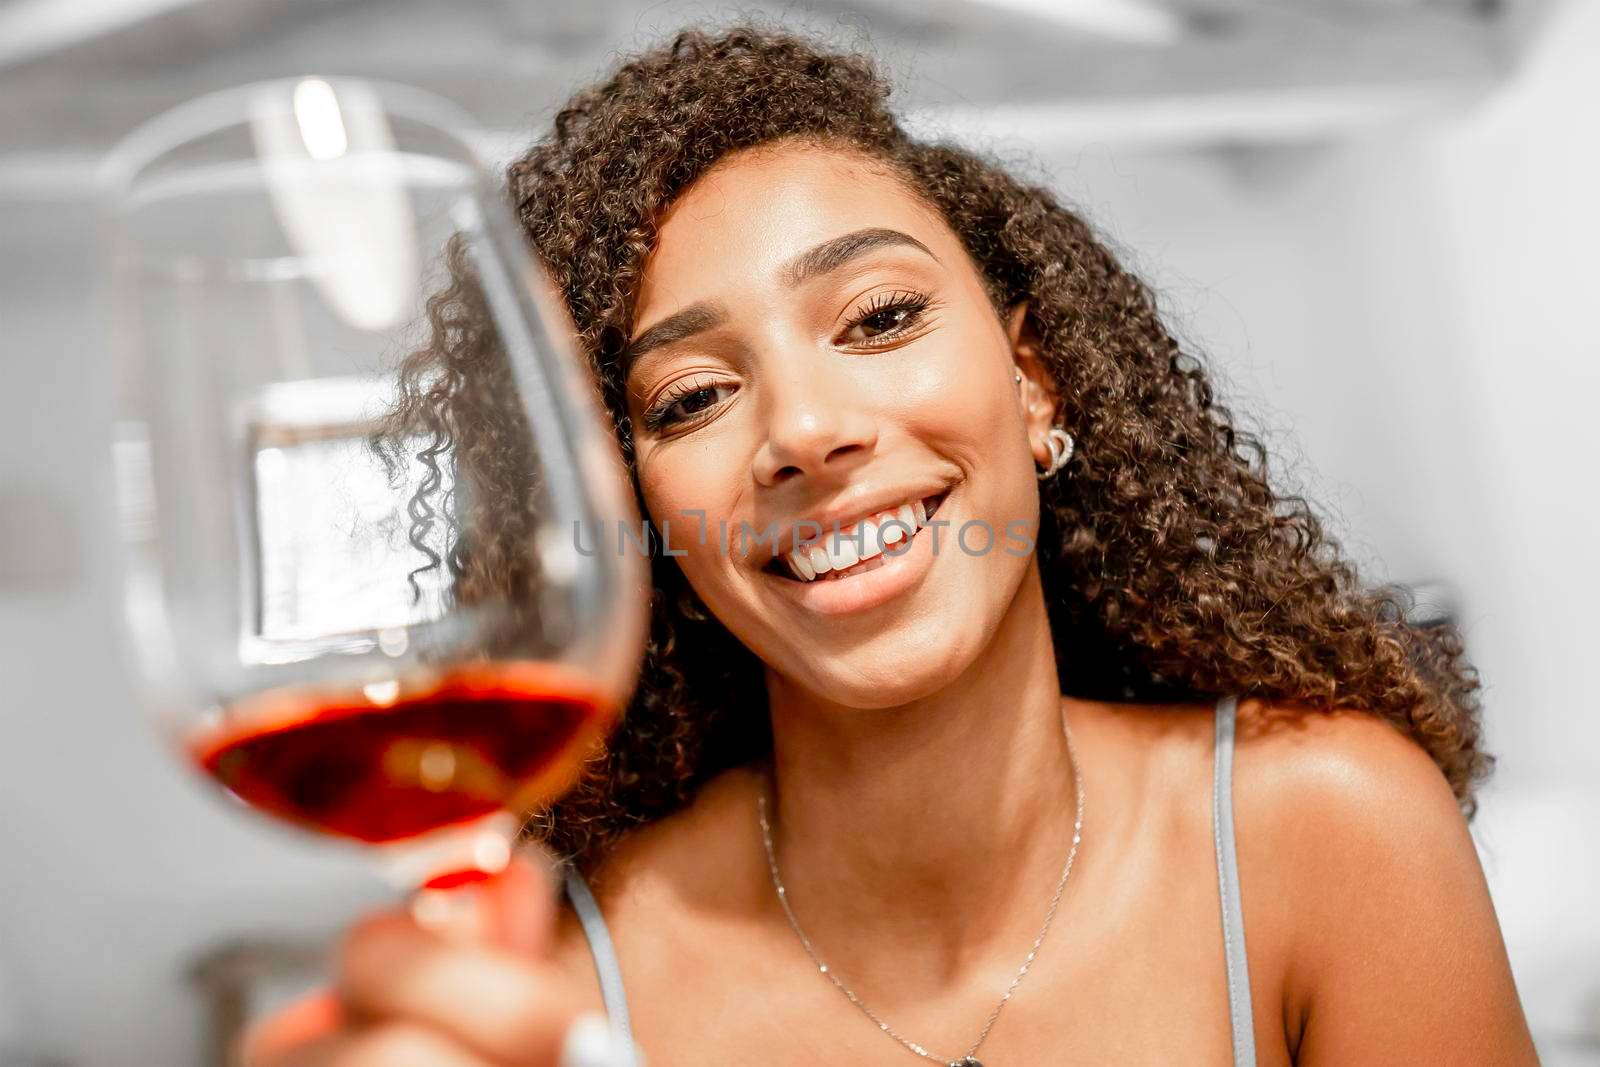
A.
pixel 372 514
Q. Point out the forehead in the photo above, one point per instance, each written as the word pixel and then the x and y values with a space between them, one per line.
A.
pixel 756 209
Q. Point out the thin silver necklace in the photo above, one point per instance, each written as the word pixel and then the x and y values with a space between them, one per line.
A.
pixel 971 1058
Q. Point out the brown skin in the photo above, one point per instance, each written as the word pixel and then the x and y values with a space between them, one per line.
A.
pixel 924 793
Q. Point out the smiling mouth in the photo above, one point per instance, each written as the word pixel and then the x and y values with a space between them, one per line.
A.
pixel 859 552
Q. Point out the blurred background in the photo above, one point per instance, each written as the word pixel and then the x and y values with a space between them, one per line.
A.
pixel 1377 219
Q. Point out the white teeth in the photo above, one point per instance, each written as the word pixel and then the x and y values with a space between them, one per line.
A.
pixel 860 541
pixel 800 564
pixel 871 537
pixel 844 552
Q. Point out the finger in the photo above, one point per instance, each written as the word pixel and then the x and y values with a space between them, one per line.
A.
pixel 514 909
pixel 523 903
pixel 496 1003
pixel 303 1021
pixel 391 1045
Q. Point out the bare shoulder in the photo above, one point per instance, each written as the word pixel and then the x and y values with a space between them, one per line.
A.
pixel 1327 762
pixel 690 865
pixel 1354 850
pixel 688 853
pixel 1348 779
pixel 1339 808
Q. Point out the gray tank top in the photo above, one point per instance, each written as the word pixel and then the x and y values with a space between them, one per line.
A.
pixel 1239 1011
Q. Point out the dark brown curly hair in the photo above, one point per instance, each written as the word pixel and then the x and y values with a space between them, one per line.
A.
pixel 1172 568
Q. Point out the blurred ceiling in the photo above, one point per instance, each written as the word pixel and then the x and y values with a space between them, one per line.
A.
pixel 77 74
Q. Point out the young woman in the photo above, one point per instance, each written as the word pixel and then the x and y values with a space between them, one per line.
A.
pixel 1145 776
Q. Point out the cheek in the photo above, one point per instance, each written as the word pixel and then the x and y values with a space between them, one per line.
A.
pixel 687 492
pixel 956 395
pixel 961 402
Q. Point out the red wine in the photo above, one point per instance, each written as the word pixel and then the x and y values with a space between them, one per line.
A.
pixel 481 738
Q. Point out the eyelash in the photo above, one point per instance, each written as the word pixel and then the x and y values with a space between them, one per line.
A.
pixel 659 416
pixel 907 300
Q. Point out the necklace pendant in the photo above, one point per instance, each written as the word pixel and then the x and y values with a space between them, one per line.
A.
pixel 966 1061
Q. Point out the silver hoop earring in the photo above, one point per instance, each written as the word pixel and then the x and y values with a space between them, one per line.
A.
pixel 1060 443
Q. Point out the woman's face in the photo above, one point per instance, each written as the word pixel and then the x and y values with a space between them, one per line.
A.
pixel 812 342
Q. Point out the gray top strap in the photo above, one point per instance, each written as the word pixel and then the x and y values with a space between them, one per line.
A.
pixel 605 959
pixel 1241 1017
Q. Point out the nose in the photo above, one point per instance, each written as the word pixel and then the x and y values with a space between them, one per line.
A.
pixel 818 425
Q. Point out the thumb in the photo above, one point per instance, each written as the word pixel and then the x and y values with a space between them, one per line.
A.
pixel 514 909
pixel 315 1015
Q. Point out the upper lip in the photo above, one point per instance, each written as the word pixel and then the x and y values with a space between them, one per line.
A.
pixel 844 511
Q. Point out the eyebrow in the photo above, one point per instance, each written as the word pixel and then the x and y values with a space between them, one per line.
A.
pixel 822 259
pixel 832 254
pixel 696 318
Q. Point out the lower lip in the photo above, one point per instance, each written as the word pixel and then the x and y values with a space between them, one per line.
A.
pixel 869 589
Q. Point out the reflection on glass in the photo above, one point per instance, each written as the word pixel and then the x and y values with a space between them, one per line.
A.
pixel 314 471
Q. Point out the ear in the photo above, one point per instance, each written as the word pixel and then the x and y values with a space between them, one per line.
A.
pixel 1037 393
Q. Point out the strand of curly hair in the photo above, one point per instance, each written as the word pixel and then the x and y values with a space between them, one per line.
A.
pixel 1172 568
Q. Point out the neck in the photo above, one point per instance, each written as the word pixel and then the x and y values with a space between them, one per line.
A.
pixel 938 827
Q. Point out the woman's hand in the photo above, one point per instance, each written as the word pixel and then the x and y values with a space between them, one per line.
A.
pixel 461 979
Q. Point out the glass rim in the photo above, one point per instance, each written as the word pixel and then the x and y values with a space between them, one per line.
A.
pixel 222 109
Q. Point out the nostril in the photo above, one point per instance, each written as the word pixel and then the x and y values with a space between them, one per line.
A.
pixel 810 445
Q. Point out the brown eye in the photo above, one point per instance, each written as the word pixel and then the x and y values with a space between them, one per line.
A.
pixel 883 321
pixel 886 317
pixel 684 405
pixel 698 400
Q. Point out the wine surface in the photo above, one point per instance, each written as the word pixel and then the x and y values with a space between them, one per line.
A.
pixel 476 740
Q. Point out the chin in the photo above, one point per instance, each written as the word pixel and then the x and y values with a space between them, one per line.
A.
pixel 887 674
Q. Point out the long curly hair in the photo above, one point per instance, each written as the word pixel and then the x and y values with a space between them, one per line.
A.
pixel 1172 568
